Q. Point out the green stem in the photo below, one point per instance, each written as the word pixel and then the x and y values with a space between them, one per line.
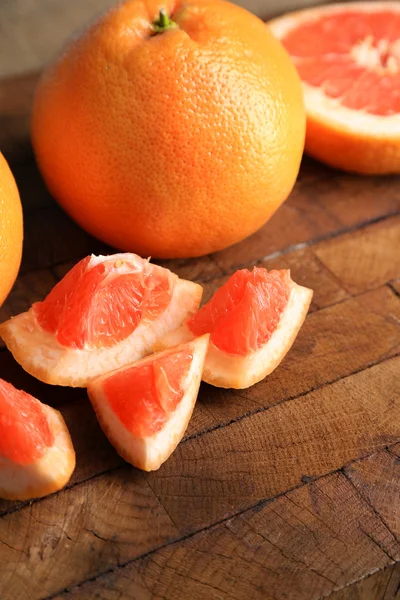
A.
pixel 163 23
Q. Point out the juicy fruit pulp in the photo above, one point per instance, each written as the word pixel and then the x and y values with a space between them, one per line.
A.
pixel 144 396
pixel 25 434
pixel 354 55
pixel 145 407
pixel 100 303
pixel 244 312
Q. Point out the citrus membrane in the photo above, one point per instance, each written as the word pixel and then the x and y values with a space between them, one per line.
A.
pixel 106 312
pixel 144 396
pixel 244 312
pixel 354 55
pixel 144 408
pixel 102 300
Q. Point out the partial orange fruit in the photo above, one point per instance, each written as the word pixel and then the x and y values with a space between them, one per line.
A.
pixel 36 453
pixel 253 320
pixel 105 313
pixel 11 229
pixel 170 135
pixel 144 408
pixel 348 57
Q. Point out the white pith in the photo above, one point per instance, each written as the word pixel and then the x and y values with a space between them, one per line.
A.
pixel 234 371
pixel 149 453
pixel 41 355
pixel 329 110
pixel 48 474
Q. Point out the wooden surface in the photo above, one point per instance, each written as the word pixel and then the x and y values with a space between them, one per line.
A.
pixel 287 490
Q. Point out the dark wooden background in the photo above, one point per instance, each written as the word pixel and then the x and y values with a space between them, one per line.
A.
pixel 287 490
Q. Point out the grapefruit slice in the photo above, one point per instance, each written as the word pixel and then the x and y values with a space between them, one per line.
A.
pixel 36 453
pixel 144 409
pixel 348 57
pixel 253 320
pixel 105 313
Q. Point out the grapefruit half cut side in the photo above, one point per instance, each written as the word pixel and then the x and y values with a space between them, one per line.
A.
pixel 106 312
pixel 144 408
pixel 348 58
pixel 37 457
pixel 253 320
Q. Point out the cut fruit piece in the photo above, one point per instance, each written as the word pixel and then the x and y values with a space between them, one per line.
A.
pixel 105 313
pixel 348 57
pixel 253 320
pixel 37 457
pixel 144 409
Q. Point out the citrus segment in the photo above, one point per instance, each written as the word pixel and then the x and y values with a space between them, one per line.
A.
pixel 100 303
pixel 156 389
pixel 36 453
pixel 244 312
pixel 107 312
pixel 25 434
pixel 253 320
pixel 348 57
pixel 144 408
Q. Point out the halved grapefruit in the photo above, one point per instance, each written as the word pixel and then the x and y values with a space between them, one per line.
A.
pixel 348 57
pixel 253 320
pixel 144 409
pixel 105 313
pixel 36 453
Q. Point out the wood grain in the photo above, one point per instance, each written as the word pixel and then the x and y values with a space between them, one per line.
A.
pixel 208 478
pixel 333 343
pixel 382 585
pixel 219 520
pixel 216 407
pixel 294 547
pixel 270 452
pixel 374 252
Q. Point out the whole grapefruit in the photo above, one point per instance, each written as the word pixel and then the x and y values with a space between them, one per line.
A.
pixel 11 229
pixel 171 129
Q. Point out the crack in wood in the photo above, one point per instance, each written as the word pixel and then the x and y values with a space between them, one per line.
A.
pixel 301 246
pixel 261 503
pixel 367 501
pixel 213 428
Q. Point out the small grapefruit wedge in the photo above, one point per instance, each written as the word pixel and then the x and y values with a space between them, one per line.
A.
pixel 105 313
pixel 36 452
pixel 253 320
pixel 348 57
pixel 144 409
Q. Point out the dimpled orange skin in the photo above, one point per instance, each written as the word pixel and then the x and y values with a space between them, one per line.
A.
pixel 174 144
pixel 11 229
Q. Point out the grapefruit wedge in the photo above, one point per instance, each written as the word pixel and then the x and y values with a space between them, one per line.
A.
pixel 105 313
pixel 144 409
pixel 36 453
pixel 348 57
pixel 253 320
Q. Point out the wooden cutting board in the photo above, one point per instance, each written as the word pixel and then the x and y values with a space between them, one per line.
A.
pixel 287 490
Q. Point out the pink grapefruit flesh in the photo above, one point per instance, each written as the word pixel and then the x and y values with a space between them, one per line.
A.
pixel 253 320
pixel 106 312
pixel 36 453
pixel 144 408
pixel 243 313
pixel 348 57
